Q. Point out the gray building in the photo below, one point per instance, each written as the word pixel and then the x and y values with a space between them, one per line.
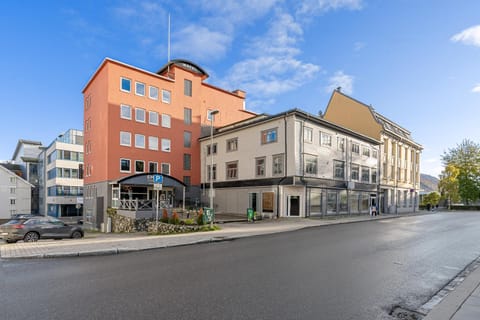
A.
pixel 15 193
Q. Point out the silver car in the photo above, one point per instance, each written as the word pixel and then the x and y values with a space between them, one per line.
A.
pixel 31 229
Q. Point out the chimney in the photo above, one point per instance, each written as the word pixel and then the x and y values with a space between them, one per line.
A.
pixel 240 93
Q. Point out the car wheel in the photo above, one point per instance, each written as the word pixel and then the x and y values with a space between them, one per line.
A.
pixel 10 241
pixel 31 237
pixel 76 235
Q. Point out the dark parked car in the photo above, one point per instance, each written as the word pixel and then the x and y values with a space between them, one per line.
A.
pixel 33 228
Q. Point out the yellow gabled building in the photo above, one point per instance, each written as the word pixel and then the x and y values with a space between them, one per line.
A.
pixel 399 160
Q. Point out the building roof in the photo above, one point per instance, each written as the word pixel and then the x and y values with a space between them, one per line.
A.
pixel 388 125
pixel 261 118
pixel 23 142
pixel 11 173
pixel 184 64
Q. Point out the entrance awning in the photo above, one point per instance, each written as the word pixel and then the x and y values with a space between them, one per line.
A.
pixel 143 179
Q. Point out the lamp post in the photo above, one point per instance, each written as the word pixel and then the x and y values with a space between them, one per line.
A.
pixel 212 114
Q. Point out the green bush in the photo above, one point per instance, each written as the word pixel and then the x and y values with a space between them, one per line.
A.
pixel 200 218
pixel 189 222
pixel 174 218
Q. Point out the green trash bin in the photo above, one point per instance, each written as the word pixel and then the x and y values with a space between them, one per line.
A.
pixel 250 215
pixel 208 215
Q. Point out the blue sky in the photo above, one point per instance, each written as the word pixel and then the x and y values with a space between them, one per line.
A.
pixel 415 62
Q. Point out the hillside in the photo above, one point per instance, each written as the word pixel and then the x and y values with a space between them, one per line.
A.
pixel 428 183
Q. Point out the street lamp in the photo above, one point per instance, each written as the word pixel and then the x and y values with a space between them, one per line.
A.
pixel 212 114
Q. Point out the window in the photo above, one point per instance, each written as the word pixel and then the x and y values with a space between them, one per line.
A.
pixel 139 141
pixel 166 145
pixel 277 164
pixel 310 164
pixel 326 139
pixel 13 179
pixel 366 151
pixel 232 170
pixel 187 180
pixel 153 143
pixel 139 89
pixel 355 174
pixel 355 148
pixel 269 136
pixel 125 112
pixel 12 201
pixel 365 175
pixel 152 167
pixel 139 166
pixel 125 84
pixel 341 144
pixel 375 154
pixel 339 169
pixel 124 165
pixel 139 115
pixel 187 139
pixel 12 190
pixel 166 96
pixel 153 92
pixel 165 120
pixel 187 161
pixel 232 144
pixel 211 149
pixel 307 134
pixel 187 88
pixel 187 116
pixel 166 168
pixel 374 175
pixel 260 167
pixel 125 139
pixel 212 171
pixel 153 118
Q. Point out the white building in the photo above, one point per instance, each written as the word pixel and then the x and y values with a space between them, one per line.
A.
pixel 290 164
pixel 62 176
pixel 15 194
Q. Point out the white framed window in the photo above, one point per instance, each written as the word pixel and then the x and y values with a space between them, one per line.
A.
pixel 307 134
pixel 13 179
pixel 166 96
pixel 277 164
pixel 355 174
pixel 153 118
pixel 12 190
pixel 152 167
pixel 326 139
pixel 211 172
pixel 139 115
pixel 339 169
pixel 260 167
pixel 139 141
pixel 232 144
pixel 310 164
pixel 366 151
pixel 268 136
pixel 355 148
pixel 153 143
pixel 341 143
pixel 212 149
pixel 139 166
pixel 153 92
pixel 166 145
pixel 166 120
pixel 125 112
pixel 232 170
pixel 125 138
pixel 166 168
pixel 124 165
pixel 374 153
pixel 125 84
pixel 365 177
pixel 140 89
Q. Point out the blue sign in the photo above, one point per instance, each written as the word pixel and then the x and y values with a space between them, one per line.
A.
pixel 157 178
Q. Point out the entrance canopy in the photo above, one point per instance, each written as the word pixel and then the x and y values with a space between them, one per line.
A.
pixel 144 179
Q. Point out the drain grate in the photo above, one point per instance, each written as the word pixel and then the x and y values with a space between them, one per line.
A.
pixel 405 314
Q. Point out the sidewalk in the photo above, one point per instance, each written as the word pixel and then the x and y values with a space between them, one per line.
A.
pixel 463 303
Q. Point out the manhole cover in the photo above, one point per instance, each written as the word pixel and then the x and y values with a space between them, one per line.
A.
pixel 405 314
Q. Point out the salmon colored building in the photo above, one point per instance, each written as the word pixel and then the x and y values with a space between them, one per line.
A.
pixel 139 123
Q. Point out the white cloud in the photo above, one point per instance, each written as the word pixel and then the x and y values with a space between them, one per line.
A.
pixel 314 7
pixel 476 89
pixel 200 43
pixel 470 36
pixel 340 79
pixel 272 66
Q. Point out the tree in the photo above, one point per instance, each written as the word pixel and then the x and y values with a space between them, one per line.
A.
pixel 431 199
pixel 466 158
pixel 448 184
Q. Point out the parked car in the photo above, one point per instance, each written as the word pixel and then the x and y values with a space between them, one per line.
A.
pixel 33 228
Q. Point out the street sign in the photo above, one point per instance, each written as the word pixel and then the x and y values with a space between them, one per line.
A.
pixel 157 186
pixel 157 178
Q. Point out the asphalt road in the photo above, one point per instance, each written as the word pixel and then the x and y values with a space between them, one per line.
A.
pixel 350 271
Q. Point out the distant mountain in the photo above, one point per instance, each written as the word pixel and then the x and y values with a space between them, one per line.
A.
pixel 428 183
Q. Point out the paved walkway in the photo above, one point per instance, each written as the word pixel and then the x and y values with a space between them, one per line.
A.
pixel 463 303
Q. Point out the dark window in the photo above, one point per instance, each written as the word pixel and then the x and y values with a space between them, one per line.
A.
pixel 187 89
pixel 187 161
